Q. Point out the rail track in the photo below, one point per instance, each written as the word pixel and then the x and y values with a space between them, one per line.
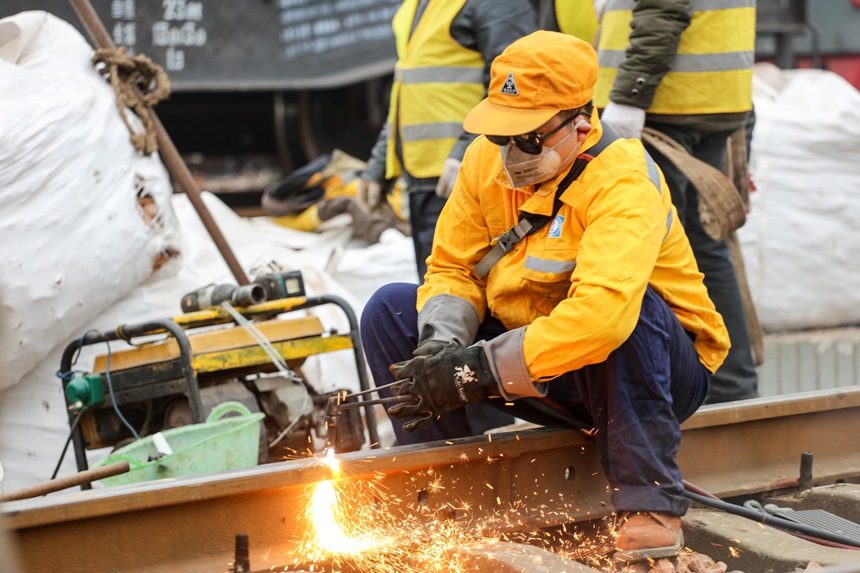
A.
pixel 544 477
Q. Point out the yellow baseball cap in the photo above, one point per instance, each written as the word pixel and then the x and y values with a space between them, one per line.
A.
pixel 532 80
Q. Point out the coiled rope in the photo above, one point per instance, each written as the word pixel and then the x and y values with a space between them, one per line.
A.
pixel 139 84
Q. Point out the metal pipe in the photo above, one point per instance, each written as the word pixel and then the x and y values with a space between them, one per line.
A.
pixel 805 479
pixel 77 433
pixel 192 388
pixel 169 154
pixel 372 390
pixel 306 130
pixel 374 401
pixel 279 121
pixel 126 332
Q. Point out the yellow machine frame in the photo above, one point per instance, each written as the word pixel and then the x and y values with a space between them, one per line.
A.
pixel 173 365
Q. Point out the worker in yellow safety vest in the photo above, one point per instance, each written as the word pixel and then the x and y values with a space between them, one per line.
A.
pixel 684 69
pixel 561 289
pixel 444 52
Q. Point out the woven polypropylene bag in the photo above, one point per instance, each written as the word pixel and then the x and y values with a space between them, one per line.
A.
pixel 84 218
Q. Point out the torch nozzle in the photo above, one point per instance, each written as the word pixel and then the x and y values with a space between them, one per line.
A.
pixel 342 418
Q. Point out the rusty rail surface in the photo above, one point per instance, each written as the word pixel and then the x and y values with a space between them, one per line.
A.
pixel 550 475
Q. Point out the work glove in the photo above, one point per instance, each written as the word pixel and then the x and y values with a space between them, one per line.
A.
pixel 437 384
pixel 448 177
pixel 428 346
pixel 627 120
pixel 367 226
pixel 369 194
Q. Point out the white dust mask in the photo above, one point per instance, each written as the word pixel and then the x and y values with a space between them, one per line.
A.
pixel 524 169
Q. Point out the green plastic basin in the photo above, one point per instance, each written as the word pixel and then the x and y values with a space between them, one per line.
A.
pixel 215 445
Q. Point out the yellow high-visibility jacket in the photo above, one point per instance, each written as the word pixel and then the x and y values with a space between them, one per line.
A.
pixel 571 293
pixel 689 57
pixel 436 83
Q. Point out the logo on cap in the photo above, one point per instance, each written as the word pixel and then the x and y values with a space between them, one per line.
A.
pixel 510 86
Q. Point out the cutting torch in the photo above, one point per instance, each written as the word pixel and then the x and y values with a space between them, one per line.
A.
pixel 343 419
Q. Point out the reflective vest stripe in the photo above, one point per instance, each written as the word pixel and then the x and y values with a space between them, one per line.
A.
pixel 440 74
pixel 691 63
pixel 698 5
pixel 438 130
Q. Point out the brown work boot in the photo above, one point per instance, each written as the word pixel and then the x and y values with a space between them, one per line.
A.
pixel 648 535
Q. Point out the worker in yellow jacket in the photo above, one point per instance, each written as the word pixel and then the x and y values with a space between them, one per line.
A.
pixel 561 288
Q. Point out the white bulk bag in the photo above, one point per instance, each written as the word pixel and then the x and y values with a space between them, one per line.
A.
pixel 74 237
pixel 802 237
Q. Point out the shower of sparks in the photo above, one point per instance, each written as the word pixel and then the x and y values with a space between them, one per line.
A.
pixel 357 525
pixel 326 519
pixel 330 535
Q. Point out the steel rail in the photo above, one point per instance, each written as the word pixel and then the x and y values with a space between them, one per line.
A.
pixel 551 475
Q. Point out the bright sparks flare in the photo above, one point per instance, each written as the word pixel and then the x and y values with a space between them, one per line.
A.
pixel 332 462
pixel 356 525
pixel 326 514
pixel 329 532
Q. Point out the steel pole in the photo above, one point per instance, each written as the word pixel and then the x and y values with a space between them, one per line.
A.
pixel 169 154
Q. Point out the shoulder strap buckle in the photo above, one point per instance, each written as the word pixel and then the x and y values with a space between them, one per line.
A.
pixel 514 235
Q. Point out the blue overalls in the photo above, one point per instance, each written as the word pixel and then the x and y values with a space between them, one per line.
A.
pixel 635 400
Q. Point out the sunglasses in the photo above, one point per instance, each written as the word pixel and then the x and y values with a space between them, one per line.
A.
pixel 531 143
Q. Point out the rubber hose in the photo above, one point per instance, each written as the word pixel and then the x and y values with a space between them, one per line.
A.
pixel 771 519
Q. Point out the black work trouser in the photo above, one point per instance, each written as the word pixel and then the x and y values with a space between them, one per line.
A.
pixel 736 379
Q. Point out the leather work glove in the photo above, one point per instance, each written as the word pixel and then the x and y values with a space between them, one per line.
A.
pixel 449 380
pixel 369 194
pixel 627 120
pixel 448 177
pixel 427 346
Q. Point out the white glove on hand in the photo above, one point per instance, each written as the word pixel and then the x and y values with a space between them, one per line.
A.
pixel 369 194
pixel 627 120
pixel 448 177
